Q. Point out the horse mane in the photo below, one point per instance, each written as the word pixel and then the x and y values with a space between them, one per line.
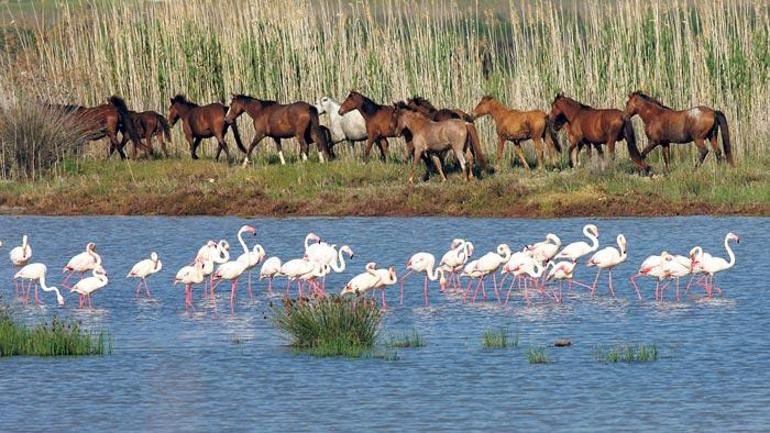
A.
pixel 423 102
pixel 182 99
pixel 649 99
pixel 573 101
pixel 367 106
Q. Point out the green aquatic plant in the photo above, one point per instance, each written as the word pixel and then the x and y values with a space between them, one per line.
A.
pixel 498 339
pixel 406 340
pixel 55 338
pixel 627 353
pixel 537 355
pixel 330 326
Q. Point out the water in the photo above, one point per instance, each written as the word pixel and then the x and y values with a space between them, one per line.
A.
pixel 173 371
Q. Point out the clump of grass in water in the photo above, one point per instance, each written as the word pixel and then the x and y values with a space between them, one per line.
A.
pixel 537 355
pixel 407 340
pixel 57 338
pixel 330 326
pixel 628 353
pixel 499 339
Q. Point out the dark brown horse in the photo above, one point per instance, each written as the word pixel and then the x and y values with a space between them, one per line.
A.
pixel 664 126
pixel 424 106
pixel 380 121
pixel 590 126
pixel 199 122
pixel 517 126
pixel 149 124
pixel 271 119
pixel 105 120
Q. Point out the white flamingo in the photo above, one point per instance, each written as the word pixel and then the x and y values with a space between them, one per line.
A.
pixel 652 266
pixel 711 266
pixel 545 250
pixel 529 268
pixel 88 286
pixel 190 275
pixel 270 269
pixel 300 270
pixel 675 267
pixel 372 279
pixel 608 258
pixel 250 257
pixel 20 256
pixel 86 261
pixel 36 272
pixel 144 269
pixel 230 271
pixel 576 250
pixel 487 264
pixel 423 262
pixel 455 259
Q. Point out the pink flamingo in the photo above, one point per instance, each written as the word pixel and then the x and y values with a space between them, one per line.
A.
pixel 86 261
pixel 713 265
pixel 35 272
pixel 488 264
pixel 423 262
pixel 190 275
pixel 608 258
pixel 270 269
pixel 88 286
pixel 144 269
pixel 576 250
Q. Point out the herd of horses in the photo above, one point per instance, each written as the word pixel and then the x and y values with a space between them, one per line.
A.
pixel 430 133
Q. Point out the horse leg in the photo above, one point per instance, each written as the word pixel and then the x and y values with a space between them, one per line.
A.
pixel 667 156
pixel 500 147
pixel 418 154
pixel 194 143
pixel 539 151
pixel 222 146
pixel 116 144
pixel 437 163
pixel 572 153
pixel 715 146
pixel 368 148
pixel 162 141
pixel 254 142
pixel 703 150
pixel 520 153
pixel 382 144
pixel 463 164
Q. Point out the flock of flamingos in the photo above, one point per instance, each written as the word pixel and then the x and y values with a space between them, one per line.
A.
pixel 543 267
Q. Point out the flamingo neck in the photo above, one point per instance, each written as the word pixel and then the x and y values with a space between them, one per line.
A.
pixel 730 254
pixel 434 273
pixel 594 239
pixel 243 244
pixel 341 260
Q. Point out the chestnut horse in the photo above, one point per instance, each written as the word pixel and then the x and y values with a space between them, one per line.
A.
pixel 425 107
pixel 271 119
pixel 664 126
pixel 105 120
pixel 199 122
pixel 517 126
pixel 590 126
pixel 380 121
pixel 431 138
pixel 149 124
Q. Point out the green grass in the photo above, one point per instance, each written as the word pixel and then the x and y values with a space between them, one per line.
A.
pixel 498 339
pixel 406 340
pixel 627 353
pixel 537 355
pixel 330 326
pixel 57 338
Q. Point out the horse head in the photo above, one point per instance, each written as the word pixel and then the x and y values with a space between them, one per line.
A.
pixel 237 107
pixel 354 101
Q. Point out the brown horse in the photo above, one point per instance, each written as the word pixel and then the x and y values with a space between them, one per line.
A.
pixel 271 119
pixel 432 139
pixel 380 121
pixel 517 126
pixel 425 107
pixel 149 124
pixel 199 122
pixel 664 126
pixel 105 120
pixel 589 126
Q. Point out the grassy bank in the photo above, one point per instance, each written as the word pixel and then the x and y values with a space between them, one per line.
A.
pixel 185 187
pixel 57 338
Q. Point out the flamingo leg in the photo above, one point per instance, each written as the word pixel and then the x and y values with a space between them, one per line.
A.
pixel 147 288
pixel 37 298
pixel 384 303
pixel 403 281
pixel 494 284
pixel 609 283
pixel 251 292
pixel 425 290
pixel 596 281
pixel 636 286
pixel 467 290
pixel 478 287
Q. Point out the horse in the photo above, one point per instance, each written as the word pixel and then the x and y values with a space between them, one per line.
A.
pixel 350 127
pixel 591 126
pixel 271 119
pixel 517 126
pixel 422 105
pixel 149 124
pixel 431 138
pixel 380 121
pixel 106 120
pixel 664 126
pixel 199 122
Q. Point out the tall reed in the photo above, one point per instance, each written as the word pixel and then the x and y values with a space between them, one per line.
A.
pixel 685 52
pixel 56 338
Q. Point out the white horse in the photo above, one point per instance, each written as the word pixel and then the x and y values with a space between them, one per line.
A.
pixel 351 126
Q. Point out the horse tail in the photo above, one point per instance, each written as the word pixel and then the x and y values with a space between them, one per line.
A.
pixel 165 126
pixel 125 119
pixel 237 136
pixel 318 136
pixel 722 120
pixel 633 151
pixel 473 138
pixel 550 134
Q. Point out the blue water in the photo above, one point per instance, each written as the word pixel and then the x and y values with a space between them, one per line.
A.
pixel 175 371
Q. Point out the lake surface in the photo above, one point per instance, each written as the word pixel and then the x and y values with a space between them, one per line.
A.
pixel 216 371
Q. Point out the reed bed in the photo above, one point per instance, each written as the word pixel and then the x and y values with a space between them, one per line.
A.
pixel 498 339
pixel 537 355
pixel 330 326
pixel 406 340
pixel 627 353
pixel 56 338
pixel 686 52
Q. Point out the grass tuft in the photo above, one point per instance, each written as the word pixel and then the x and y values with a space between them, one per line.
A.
pixel 537 355
pixel 330 326
pixel 627 353
pixel 498 339
pixel 57 338
pixel 406 340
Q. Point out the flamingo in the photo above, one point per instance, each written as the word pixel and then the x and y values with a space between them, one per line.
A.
pixel 270 269
pixel 86 261
pixel 36 272
pixel 144 269
pixel 372 279
pixel 338 264
pixel 217 253
pixel 530 268
pixel 250 258
pixel 487 264
pixel 232 272
pixel 563 271
pixel 302 270
pixel 675 267
pixel 712 265
pixel 424 262
pixel 516 260
pixel 190 275
pixel 576 250
pixel 454 259
pixel 87 286
pixel 652 266
pixel 545 250
pixel 310 239
pixel 608 258
pixel 20 256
